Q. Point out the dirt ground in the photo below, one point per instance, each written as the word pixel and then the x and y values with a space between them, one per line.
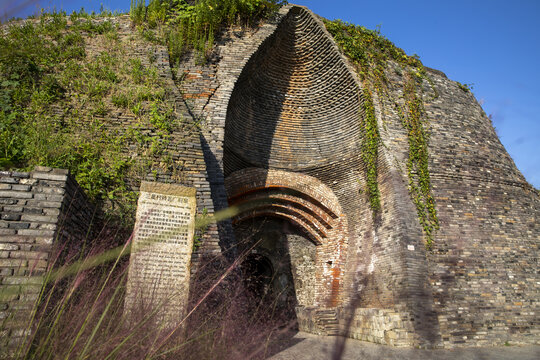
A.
pixel 313 347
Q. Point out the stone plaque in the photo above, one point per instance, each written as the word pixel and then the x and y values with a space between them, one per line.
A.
pixel 159 266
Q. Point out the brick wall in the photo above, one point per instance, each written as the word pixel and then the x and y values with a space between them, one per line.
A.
pixel 268 101
pixel 482 271
pixel 265 103
pixel 44 216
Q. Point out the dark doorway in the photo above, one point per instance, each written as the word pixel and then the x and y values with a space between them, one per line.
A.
pixel 257 273
pixel 266 269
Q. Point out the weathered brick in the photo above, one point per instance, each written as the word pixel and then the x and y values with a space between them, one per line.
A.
pixel 28 181
pixel 19 225
pixel 48 176
pixel 44 240
pixel 23 280
pixel 39 218
pixel 46 226
pixel 20 187
pixel 50 190
pixel 29 255
pixel 51 212
pixel 48 197
pixel 45 204
pixel 15 195
pixel 33 210
pixel 8 180
pixel 13 262
pixel 42 169
pixel 10 217
pixel 6 272
pixel 15 209
pixel 36 232
pixel 21 175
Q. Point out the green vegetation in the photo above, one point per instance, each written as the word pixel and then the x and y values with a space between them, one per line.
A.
pixel 56 96
pixel 465 87
pixel 370 53
pixel 58 93
pixel 417 165
pixel 183 26
pixel 370 150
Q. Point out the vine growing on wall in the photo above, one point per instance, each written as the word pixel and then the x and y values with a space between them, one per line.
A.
pixel 417 164
pixel 370 52
pixel 370 149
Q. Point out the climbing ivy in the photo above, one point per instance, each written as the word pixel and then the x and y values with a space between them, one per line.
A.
pixel 417 164
pixel 370 149
pixel 370 52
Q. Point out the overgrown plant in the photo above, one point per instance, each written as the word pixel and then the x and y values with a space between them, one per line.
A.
pixel 418 162
pixel 80 313
pixel 55 102
pixel 371 52
pixel 187 26
pixel 370 149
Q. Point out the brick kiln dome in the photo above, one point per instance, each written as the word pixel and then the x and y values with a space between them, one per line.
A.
pixel 296 104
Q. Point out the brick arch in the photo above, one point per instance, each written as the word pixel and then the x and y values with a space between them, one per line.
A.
pixel 306 203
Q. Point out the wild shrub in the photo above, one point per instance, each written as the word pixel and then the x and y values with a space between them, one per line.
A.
pixel 195 25
pixel 80 312
pixel 55 100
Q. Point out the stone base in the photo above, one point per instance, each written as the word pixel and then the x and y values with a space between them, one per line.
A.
pixel 381 326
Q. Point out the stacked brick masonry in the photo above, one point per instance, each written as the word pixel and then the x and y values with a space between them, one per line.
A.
pixel 307 203
pixel 376 273
pixel 483 270
pixel 44 216
pixel 391 252
pixel 382 326
pixel 206 90
pixel 481 277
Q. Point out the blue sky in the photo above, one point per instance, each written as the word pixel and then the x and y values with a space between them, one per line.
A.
pixel 492 44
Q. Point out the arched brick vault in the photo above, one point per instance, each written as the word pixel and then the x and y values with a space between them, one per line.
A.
pixel 305 202
pixel 289 102
pixel 295 105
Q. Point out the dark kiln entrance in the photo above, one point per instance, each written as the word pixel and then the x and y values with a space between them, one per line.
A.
pixel 278 269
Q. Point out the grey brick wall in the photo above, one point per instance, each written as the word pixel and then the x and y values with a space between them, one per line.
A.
pixel 45 217
pixel 478 286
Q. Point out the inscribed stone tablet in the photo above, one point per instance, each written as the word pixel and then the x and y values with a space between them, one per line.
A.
pixel 161 251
